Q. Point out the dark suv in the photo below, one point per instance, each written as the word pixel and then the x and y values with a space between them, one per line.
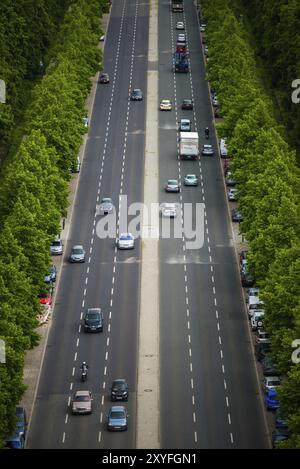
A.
pixel 119 390
pixel 93 320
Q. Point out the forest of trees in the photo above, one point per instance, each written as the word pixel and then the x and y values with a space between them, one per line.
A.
pixel 265 164
pixel 34 177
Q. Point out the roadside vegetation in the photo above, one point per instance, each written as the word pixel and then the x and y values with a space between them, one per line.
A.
pixel 264 163
pixel 48 128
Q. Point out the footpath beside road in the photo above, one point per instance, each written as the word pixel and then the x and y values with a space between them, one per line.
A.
pixel 34 358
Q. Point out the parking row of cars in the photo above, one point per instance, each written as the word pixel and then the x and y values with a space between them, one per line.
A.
pixel 271 380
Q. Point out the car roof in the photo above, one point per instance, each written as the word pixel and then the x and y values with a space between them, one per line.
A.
pixel 106 199
pixel 93 310
pixel 191 175
pixel 173 180
pixel 117 408
pixel 126 235
pixel 77 246
pixel 82 393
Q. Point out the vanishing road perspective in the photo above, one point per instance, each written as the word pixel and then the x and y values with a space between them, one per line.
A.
pixel 160 326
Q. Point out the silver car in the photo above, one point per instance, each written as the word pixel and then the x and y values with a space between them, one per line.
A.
pixel 106 206
pixel 270 382
pixel 82 403
pixel 77 254
pixel 56 247
pixel 232 194
pixel 117 418
pixel 191 180
pixel 169 210
pixel 125 241
pixel 172 186
pixel 207 150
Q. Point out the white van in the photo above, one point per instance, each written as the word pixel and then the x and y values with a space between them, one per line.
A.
pixel 223 148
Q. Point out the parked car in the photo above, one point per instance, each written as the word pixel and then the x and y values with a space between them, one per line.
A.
pixel 125 241
pixel 254 303
pixel 269 366
pixel 271 399
pixel 82 403
pixel 45 298
pixel 187 104
pixel 202 27
pixel 185 125
pixel 17 439
pixel 263 337
pixel 119 390
pixel 106 206
pixel 51 276
pixel 75 168
pixel 207 150
pixel 217 112
pixel 232 194
pixel 191 180
pixel 77 254
pixel 165 105
pixel 172 186
pixel 279 435
pixel 136 95
pixel 230 180
pixel 247 279
pixel 279 421
pixel 117 419
pixel 93 320
pixel 223 148
pixel 257 319
pixel 236 215
pixel 56 248
pixel 270 382
pixel 169 210
pixel 251 292
pixel 104 78
pixel 215 101
pixel 261 351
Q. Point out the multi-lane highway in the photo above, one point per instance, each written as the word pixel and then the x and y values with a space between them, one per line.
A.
pixel 208 389
pixel 113 165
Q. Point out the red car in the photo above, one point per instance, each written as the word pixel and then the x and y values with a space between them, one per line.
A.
pixel 46 298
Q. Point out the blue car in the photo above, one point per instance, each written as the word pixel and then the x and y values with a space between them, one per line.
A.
pixel 271 399
pixel 17 440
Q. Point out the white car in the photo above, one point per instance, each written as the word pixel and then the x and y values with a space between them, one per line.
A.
pixel 202 27
pixel 257 319
pixel 169 210
pixel 56 248
pixel 223 148
pixel 165 105
pixel 181 38
pixel 207 150
pixel 215 101
pixel 270 382
pixel 125 241
pixel 263 337
pixel 180 25
pixel 232 194
pixel 253 303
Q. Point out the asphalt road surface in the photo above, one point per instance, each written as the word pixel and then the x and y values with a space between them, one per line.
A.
pixel 209 395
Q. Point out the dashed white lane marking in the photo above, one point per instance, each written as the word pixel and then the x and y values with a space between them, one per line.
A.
pixel 69 401
pixel 227 401
pixel 229 419
pixel 64 437
pixel 66 419
pixel 231 437
pixel 75 357
pixel 77 342
pixel 99 437
pixel 71 386
pixel 73 371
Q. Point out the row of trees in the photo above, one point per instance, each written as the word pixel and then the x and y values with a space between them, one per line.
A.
pixel 34 188
pixel 26 31
pixel 268 175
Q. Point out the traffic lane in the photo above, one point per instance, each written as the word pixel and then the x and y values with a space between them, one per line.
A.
pixel 176 407
pixel 214 428
pixel 123 345
pixel 59 359
pixel 238 359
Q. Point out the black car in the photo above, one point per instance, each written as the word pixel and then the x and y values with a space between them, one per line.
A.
pixel 261 351
pixel 269 366
pixel 247 279
pixel 187 104
pixel 93 320
pixel 119 390
pixel 136 95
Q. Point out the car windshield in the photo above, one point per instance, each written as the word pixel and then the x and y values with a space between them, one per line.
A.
pixel 55 243
pixel 93 316
pixel 106 201
pixel 82 398
pixel 117 414
pixel 126 236
pixel 77 251
pixel 172 182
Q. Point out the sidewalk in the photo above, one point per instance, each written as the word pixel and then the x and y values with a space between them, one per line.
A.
pixel 34 358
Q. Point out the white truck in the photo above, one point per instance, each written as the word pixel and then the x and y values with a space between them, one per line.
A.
pixel 188 145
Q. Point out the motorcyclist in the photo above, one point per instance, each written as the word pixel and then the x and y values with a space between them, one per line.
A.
pixel 84 367
pixel 206 131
